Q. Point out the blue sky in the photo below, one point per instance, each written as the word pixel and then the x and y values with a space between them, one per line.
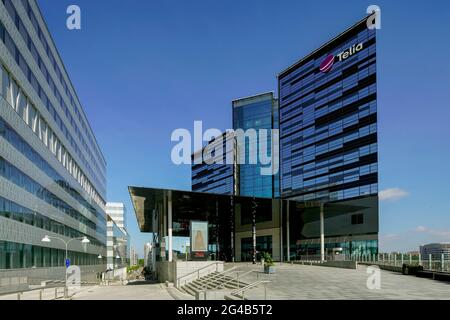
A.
pixel 144 68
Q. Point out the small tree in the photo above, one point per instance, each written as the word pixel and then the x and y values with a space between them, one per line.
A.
pixel 268 261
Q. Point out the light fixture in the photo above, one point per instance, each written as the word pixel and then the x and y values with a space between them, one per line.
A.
pixel 100 256
pixel 46 239
pixel 117 257
pixel 85 240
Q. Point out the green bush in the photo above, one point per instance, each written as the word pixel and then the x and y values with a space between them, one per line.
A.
pixel 268 261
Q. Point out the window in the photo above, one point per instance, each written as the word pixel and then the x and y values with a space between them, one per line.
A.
pixel 358 218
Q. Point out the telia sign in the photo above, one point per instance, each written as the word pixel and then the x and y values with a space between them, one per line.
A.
pixel 328 62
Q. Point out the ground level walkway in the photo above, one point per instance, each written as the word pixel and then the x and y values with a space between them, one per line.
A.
pixel 292 282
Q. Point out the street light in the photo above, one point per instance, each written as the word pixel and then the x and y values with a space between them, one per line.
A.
pixel 84 240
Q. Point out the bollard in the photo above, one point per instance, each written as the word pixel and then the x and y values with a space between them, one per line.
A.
pixel 395 259
pixel 442 262
pixel 40 294
pixel 18 296
pixel 401 255
pixel 265 291
pixel 56 293
pixel 410 258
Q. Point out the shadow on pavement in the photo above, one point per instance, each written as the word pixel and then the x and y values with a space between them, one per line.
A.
pixel 142 282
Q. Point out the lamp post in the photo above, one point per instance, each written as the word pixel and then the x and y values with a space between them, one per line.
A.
pixel 84 240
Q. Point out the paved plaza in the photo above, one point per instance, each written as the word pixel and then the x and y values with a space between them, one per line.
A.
pixel 139 290
pixel 292 282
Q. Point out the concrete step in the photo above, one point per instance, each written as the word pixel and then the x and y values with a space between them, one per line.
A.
pixel 231 297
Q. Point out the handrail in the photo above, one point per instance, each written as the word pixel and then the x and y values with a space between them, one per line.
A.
pixel 222 274
pixel 196 271
pixel 237 279
pixel 250 286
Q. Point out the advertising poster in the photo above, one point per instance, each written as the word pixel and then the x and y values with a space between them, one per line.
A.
pixel 199 239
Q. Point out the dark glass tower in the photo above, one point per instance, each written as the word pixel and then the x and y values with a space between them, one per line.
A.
pixel 215 177
pixel 256 112
pixel 328 140
pixel 328 120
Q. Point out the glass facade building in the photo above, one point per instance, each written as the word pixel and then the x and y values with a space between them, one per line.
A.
pixel 328 129
pixel 215 177
pixel 256 112
pixel 52 171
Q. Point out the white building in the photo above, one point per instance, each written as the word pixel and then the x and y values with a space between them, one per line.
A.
pixel 148 254
pixel 134 258
pixel 53 177
pixel 117 211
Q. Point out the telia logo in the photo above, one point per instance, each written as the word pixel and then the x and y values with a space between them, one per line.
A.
pixel 327 64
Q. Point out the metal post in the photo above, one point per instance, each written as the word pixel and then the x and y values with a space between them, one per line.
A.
pixel 56 293
pixel 265 291
pixel 420 259
pixel 169 225
pixel 288 243
pixel 40 294
pixel 322 235
pixel 18 296
pixel 65 271
pixel 254 230
pixel 395 259
pixel 402 258
pixel 430 262
pixel 442 262
pixel 410 258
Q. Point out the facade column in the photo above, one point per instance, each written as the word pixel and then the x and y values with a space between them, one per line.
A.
pixel 169 225
pixel 322 235
pixel 281 231
pixel 288 243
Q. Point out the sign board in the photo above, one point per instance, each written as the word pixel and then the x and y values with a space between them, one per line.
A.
pixel 199 240
pixel 67 263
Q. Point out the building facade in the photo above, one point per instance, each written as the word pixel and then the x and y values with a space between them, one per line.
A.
pixel 259 112
pixel 134 258
pixel 117 212
pixel 116 245
pixel 436 250
pixel 52 171
pixel 328 137
pixel 210 175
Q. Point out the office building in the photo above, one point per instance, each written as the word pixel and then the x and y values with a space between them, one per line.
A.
pixel 215 173
pixel 52 171
pixel 328 189
pixel 256 112
pixel 117 212
pixel 328 140
pixel 148 251
pixel 134 259
pixel 116 245
pixel 436 250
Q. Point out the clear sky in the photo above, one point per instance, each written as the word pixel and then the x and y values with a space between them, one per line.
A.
pixel 143 68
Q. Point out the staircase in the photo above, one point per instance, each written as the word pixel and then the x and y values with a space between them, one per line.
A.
pixel 216 281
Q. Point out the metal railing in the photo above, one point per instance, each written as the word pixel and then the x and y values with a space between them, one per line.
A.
pixel 218 276
pixel 196 272
pixel 221 285
pixel 255 284
pixel 397 260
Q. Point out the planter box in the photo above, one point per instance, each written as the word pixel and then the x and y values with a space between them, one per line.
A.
pixel 269 270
